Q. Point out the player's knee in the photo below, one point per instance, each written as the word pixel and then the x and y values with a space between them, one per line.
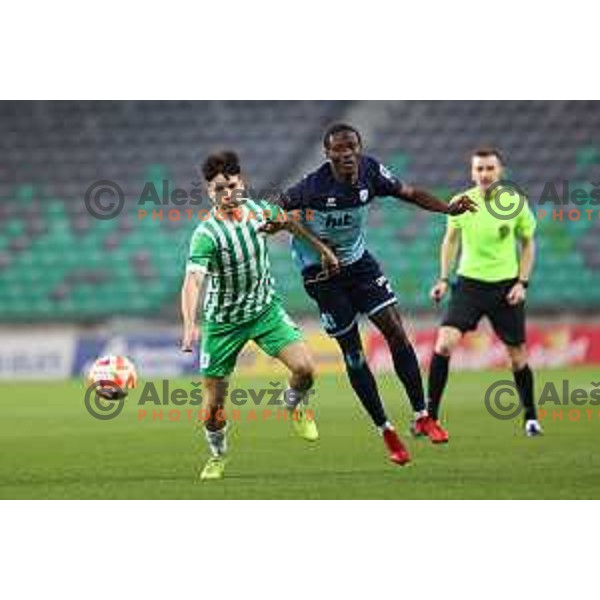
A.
pixel 444 348
pixel 446 343
pixel 397 337
pixel 304 373
pixel 393 330
pixel 518 357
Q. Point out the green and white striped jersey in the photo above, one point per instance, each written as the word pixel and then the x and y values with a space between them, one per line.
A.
pixel 235 258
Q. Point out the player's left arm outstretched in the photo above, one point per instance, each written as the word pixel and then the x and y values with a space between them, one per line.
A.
pixel 429 202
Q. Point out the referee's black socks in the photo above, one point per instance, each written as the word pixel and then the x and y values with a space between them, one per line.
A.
pixel 524 381
pixel 438 377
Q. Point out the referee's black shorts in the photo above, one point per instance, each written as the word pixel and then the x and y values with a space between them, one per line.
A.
pixel 472 299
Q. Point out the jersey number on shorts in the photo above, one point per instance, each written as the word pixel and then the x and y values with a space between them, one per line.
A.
pixel 383 282
pixel 204 360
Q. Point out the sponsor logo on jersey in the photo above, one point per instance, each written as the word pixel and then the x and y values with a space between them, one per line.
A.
pixel 344 220
pixel 331 202
pixel 503 231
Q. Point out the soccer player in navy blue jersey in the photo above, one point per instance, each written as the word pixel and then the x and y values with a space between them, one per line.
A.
pixel 334 200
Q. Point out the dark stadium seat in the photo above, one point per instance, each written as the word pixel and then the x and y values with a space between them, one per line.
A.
pixel 58 262
pixel 542 142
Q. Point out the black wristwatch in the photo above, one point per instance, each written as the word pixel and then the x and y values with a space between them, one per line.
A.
pixel 524 283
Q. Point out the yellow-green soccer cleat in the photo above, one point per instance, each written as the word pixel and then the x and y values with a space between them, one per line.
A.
pixel 304 426
pixel 214 468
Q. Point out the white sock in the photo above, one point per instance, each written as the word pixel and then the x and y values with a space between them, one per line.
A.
pixel 420 414
pixel 292 398
pixel 217 441
pixel 386 425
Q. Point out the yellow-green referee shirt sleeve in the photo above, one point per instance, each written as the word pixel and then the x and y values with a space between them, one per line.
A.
pixel 526 223
pixel 202 251
pixel 455 221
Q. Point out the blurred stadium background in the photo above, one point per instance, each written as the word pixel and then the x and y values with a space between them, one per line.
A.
pixel 73 287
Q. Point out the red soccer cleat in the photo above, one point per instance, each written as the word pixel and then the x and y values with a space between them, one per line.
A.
pixel 398 453
pixel 431 428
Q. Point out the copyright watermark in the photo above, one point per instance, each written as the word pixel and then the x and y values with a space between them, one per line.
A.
pixel 503 402
pixel 558 201
pixel 505 199
pixel 105 400
pixel 104 199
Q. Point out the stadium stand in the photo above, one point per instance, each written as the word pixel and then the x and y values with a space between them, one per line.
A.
pixel 59 263
pixel 56 260
pixel 429 143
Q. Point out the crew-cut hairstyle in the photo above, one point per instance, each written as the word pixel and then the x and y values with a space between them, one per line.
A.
pixel 340 128
pixel 485 151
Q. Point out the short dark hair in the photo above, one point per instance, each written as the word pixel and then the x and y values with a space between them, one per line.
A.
pixel 485 151
pixel 226 162
pixel 339 128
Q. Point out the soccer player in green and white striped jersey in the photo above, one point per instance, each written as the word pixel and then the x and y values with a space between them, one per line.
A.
pixel 229 252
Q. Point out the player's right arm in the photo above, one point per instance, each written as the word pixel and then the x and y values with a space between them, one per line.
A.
pixel 291 200
pixel 448 253
pixel 202 250
pixel 190 295
pixel 329 261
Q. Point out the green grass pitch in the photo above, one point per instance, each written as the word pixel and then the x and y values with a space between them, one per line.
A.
pixel 50 447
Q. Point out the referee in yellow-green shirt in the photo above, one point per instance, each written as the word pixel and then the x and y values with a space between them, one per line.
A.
pixel 492 277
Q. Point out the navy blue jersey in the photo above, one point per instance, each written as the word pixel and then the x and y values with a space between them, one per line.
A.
pixel 336 211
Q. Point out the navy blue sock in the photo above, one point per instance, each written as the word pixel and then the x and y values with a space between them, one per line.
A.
pixel 407 369
pixel 438 376
pixel 361 378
